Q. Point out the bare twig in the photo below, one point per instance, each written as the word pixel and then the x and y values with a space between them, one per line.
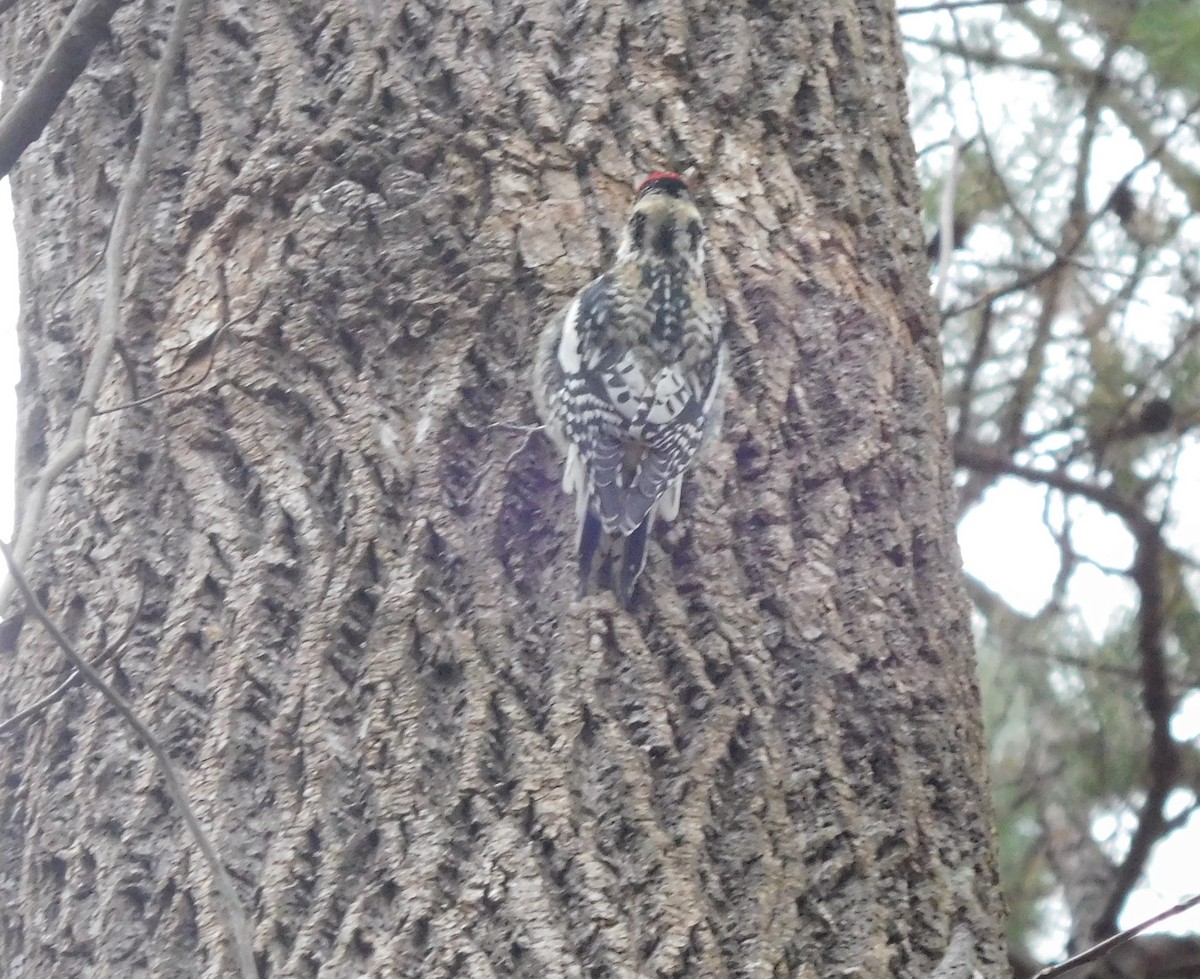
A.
pixel 178 389
pixel 982 460
pixel 996 174
pixel 74 676
pixel 74 442
pixel 516 426
pixel 933 8
pixel 966 389
pixel 1068 560
pixel 1083 663
pixel 234 911
pixel 223 306
pixel 75 281
pixel 991 57
pixel 529 433
pixel 54 695
pixel 1102 949
pixel 1071 238
pixel 1164 762
pixel 65 61
pixel 1062 61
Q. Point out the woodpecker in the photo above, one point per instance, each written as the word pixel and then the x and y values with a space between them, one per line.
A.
pixel 628 380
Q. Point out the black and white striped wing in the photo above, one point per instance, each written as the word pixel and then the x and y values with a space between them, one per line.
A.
pixel 635 429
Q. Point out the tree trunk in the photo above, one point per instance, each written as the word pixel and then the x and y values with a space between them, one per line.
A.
pixel 345 578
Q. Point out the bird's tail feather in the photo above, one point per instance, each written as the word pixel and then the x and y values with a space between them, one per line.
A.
pixel 633 560
pixel 590 534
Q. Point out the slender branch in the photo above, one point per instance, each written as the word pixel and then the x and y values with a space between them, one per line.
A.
pixel 55 695
pixel 179 388
pixel 1068 560
pixel 980 459
pixel 74 676
pixel 1164 763
pixel 74 442
pixel 996 173
pixel 1102 949
pixel 73 447
pixel 65 61
pixel 1064 64
pixel 234 911
pixel 966 389
pixel 1185 176
pixel 1079 662
pixel 1071 238
pixel 990 57
pixel 1077 220
pixel 75 280
pixel 933 8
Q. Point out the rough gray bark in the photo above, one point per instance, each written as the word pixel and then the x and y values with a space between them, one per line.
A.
pixel 350 590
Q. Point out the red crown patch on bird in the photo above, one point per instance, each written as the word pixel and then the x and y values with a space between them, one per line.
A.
pixel 664 182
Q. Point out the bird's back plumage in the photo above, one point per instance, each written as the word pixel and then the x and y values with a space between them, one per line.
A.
pixel 628 377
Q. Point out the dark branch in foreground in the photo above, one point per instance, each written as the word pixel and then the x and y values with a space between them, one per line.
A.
pixel 1110 945
pixel 235 912
pixel 65 61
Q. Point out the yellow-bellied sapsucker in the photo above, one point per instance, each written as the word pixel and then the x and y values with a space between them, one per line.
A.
pixel 628 379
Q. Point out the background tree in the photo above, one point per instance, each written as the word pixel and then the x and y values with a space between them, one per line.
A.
pixel 328 571
pixel 1070 324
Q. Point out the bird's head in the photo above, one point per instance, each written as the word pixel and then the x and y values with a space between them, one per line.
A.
pixel 664 224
